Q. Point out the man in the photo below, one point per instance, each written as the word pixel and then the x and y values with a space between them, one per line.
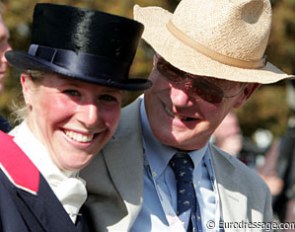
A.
pixel 209 59
pixel 4 47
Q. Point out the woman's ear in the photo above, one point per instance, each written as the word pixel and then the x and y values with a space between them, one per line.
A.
pixel 247 92
pixel 26 83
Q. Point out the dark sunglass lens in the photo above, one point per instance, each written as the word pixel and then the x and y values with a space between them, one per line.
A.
pixel 207 91
pixel 200 86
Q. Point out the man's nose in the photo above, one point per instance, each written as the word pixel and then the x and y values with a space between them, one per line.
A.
pixel 180 96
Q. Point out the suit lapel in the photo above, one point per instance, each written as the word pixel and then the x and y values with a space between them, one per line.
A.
pixel 47 209
pixel 36 202
pixel 32 210
pixel 41 210
pixel 128 181
pixel 233 203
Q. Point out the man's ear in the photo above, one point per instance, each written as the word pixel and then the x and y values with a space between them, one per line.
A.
pixel 247 92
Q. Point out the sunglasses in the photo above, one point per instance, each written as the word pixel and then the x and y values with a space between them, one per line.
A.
pixel 209 89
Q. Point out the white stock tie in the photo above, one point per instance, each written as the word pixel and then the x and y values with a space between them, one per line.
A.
pixel 71 192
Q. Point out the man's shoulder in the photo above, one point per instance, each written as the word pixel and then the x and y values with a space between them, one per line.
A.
pixel 244 174
pixel 130 119
pixel 133 106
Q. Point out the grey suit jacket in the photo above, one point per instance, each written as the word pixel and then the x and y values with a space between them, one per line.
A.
pixel 115 181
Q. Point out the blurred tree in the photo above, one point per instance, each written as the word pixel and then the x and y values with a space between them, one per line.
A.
pixel 266 109
pixel 268 104
pixel 281 50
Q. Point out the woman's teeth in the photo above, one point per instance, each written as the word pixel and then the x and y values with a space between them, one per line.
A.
pixel 79 137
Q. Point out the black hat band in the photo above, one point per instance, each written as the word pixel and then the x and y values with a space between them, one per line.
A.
pixel 83 63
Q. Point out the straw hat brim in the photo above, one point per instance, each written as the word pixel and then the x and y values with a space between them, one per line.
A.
pixel 188 59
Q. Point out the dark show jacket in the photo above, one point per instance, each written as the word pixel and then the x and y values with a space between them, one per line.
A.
pixel 27 202
pixel 4 125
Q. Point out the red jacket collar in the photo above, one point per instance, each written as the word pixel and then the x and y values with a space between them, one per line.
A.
pixel 17 166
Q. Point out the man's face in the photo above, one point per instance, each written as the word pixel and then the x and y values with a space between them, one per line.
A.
pixel 184 109
pixel 4 47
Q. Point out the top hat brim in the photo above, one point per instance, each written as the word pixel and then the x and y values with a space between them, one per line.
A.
pixel 24 61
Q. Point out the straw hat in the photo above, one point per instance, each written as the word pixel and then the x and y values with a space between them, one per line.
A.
pixel 83 44
pixel 217 38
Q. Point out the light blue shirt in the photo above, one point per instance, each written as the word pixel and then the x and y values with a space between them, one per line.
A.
pixel 158 212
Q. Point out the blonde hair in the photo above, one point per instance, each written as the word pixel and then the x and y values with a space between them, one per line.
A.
pixel 19 108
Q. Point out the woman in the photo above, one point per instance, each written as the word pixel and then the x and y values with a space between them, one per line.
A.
pixel 72 81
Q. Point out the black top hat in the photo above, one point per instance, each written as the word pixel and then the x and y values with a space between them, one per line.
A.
pixel 83 44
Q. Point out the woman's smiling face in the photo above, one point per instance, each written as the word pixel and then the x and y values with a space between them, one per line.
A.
pixel 73 119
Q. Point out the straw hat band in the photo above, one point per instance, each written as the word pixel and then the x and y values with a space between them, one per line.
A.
pixel 247 64
pixel 229 44
pixel 80 62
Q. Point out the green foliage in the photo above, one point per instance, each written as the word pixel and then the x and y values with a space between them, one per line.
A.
pixel 266 109
pixel 281 50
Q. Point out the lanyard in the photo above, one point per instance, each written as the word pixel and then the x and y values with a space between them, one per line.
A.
pixel 174 221
pixel 175 224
